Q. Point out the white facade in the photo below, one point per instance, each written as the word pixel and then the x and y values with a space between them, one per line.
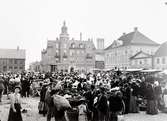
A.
pixel 120 57
pixel 141 61
pixel 160 63
pixel 118 54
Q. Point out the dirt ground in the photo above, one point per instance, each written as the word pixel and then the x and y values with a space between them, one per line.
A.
pixel 31 105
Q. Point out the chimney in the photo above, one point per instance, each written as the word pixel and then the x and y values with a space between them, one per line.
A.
pixel 17 47
pixel 135 29
pixel 100 43
pixel 80 36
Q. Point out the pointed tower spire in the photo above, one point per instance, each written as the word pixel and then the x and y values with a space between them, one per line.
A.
pixel 64 28
pixel 64 23
pixel 64 33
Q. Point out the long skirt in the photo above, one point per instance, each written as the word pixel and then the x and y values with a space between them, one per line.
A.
pixel 15 116
pixel 82 117
pixel 133 105
pixel 152 107
pixel 113 116
pixel 165 100
pixel 102 116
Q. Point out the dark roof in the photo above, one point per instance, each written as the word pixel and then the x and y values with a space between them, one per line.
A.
pixel 135 38
pixel 162 51
pixel 141 52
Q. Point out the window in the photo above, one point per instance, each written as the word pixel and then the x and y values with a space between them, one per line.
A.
pixel 21 67
pixel 4 62
pixel 10 67
pixel 78 52
pixel 126 52
pixel 15 61
pixel 65 51
pixel 49 46
pixel 21 61
pixel 15 67
pixel 163 60
pixel 81 45
pixel 157 60
pixel 135 62
pixel 140 62
pixel 10 61
pixel 57 51
pixel 73 45
pixel 71 53
pixel 65 46
pixel 145 61
pixel 57 45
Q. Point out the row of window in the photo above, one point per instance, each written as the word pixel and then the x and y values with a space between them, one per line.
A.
pixel 4 62
pixel 141 62
pixel 163 61
pixel 15 67
pixel 5 68
pixel 73 45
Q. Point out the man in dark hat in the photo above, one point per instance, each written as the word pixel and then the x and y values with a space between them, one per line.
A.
pixel 102 105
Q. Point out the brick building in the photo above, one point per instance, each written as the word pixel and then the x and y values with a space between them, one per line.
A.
pixel 12 60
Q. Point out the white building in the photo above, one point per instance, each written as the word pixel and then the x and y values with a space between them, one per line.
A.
pixel 118 54
pixel 160 57
pixel 141 60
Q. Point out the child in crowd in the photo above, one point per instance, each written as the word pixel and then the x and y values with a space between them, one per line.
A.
pixel 82 110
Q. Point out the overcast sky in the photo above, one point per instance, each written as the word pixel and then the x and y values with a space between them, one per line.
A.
pixel 28 23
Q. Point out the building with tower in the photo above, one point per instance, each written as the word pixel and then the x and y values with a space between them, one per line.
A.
pixel 68 54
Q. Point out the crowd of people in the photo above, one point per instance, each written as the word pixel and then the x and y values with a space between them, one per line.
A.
pixel 101 96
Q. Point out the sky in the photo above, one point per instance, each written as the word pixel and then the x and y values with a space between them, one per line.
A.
pixel 30 23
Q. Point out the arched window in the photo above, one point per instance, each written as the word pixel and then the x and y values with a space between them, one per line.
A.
pixel 81 45
pixel 73 45
pixel 157 60
pixel 163 60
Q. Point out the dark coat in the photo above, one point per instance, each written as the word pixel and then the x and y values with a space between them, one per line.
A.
pixel 90 98
pixel 150 95
pixel 115 104
pixel 2 87
pixel 102 104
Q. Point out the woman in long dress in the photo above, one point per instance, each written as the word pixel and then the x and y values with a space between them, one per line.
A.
pixel 151 100
pixel 133 108
pixel 15 107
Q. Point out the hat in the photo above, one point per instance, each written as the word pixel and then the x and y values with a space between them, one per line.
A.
pixel 18 86
pixel 82 99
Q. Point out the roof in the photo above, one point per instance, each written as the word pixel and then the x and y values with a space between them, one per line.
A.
pixel 141 55
pixel 134 38
pixel 12 53
pixel 162 51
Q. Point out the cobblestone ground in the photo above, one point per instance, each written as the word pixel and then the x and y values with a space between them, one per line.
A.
pixel 31 105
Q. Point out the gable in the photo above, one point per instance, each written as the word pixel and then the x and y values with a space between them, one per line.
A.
pixel 141 55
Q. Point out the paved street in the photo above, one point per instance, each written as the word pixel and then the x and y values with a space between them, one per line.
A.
pixel 32 115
